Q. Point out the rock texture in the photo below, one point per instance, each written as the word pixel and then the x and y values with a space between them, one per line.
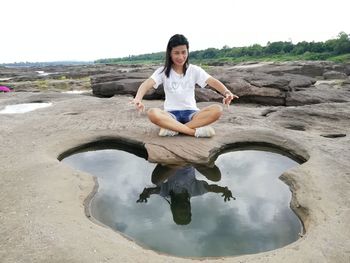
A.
pixel 275 84
pixel 287 84
pixel 43 202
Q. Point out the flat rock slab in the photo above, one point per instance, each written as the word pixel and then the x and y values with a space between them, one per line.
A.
pixel 43 202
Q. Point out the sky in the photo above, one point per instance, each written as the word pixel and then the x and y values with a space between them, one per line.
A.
pixel 86 30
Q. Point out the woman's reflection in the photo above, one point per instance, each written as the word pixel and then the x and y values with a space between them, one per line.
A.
pixel 179 183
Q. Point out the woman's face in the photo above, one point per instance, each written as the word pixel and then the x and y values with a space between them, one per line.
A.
pixel 179 55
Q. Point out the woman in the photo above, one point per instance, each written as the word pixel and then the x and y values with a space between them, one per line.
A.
pixel 180 114
pixel 179 183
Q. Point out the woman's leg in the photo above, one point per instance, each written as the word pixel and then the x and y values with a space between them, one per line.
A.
pixel 165 120
pixel 205 116
pixel 211 173
pixel 162 173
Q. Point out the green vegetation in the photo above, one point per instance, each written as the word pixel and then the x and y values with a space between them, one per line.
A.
pixel 139 59
pixel 340 58
pixel 42 84
pixel 337 50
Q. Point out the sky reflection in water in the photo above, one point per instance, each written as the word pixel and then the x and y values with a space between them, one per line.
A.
pixel 258 220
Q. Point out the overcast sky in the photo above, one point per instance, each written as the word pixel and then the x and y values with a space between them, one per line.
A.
pixel 52 30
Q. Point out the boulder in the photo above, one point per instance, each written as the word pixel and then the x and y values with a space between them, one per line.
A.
pixel 121 87
pixel 206 94
pixel 317 95
pixel 334 75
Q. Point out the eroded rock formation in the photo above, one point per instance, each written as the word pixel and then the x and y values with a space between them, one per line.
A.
pixel 44 202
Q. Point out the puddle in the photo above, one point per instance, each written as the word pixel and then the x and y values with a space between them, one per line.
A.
pixel 43 73
pixel 189 211
pixel 25 107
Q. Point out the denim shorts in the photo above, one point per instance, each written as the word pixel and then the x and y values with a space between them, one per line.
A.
pixel 182 116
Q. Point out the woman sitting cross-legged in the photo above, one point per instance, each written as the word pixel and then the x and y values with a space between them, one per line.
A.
pixel 181 114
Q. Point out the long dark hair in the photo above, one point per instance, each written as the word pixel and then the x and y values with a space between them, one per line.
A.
pixel 180 206
pixel 174 41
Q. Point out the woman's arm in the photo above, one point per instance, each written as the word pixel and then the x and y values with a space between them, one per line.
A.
pixel 147 192
pixel 163 172
pixel 226 193
pixel 221 88
pixel 142 90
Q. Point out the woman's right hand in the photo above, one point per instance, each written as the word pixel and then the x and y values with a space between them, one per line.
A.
pixel 138 104
pixel 143 196
pixel 227 194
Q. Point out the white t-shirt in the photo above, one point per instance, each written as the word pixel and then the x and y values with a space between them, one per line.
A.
pixel 179 89
pixel 184 179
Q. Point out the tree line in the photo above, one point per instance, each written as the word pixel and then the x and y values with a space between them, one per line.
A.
pixel 308 50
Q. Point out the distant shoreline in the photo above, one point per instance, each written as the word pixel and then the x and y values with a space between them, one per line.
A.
pixel 46 64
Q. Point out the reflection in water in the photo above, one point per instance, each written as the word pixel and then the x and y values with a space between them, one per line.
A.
pixel 258 220
pixel 180 184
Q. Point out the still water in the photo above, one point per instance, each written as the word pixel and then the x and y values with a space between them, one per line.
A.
pixel 25 107
pixel 237 206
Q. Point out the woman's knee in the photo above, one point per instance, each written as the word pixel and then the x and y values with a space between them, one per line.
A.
pixel 216 111
pixel 154 115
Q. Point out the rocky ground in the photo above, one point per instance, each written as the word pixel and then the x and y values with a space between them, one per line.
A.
pixel 277 84
pixel 300 107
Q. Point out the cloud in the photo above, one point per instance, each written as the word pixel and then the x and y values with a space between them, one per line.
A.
pixel 39 30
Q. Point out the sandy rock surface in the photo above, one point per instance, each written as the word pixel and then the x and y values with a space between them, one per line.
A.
pixel 43 202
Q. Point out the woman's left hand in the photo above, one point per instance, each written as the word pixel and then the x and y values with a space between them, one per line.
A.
pixel 228 98
pixel 227 194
